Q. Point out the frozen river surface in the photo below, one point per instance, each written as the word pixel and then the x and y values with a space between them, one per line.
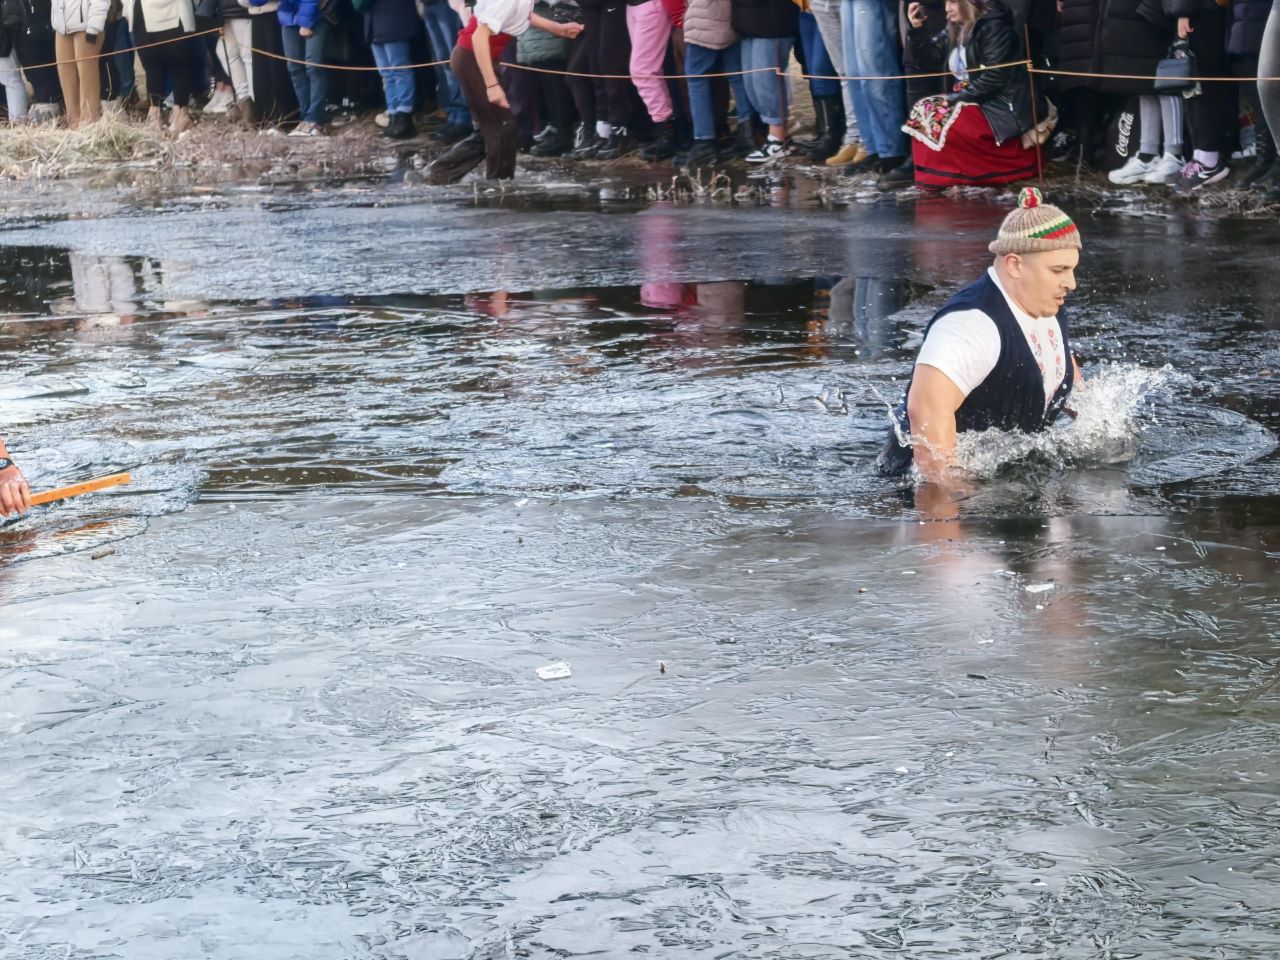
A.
pixel 395 451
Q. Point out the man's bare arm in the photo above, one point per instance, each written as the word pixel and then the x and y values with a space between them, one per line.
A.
pixel 931 407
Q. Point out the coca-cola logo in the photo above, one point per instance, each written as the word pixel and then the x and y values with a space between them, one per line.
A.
pixel 1125 129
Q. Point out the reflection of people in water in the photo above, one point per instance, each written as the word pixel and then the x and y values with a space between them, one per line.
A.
pixel 15 495
pixel 997 355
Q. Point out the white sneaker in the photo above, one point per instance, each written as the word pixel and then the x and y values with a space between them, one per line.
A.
pixel 383 120
pixel 301 130
pixel 220 102
pixel 771 150
pixel 44 112
pixel 1162 169
pixel 1133 171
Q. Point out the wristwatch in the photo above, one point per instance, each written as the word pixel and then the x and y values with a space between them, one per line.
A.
pixel 5 464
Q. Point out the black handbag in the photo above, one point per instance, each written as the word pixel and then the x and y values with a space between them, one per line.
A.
pixel 1177 72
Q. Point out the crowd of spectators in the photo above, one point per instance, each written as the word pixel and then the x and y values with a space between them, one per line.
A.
pixel 933 93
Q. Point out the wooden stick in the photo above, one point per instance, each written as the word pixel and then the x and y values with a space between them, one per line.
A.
pixel 76 489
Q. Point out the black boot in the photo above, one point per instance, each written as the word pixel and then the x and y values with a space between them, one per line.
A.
pixel 664 143
pixel 554 144
pixel 743 142
pixel 1265 161
pixel 586 143
pixel 901 175
pixel 400 127
pixel 831 125
pixel 619 144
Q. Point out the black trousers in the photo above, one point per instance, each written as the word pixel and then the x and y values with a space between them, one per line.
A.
pixel 171 59
pixel 1213 115
pixel 603 48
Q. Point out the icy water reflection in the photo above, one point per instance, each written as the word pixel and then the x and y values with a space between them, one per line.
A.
pixel 297 715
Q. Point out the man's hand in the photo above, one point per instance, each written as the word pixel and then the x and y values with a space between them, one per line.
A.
pixel 15 495
pixel 916 16
pixel 570 30
pixel 306 32
pixel 1184 28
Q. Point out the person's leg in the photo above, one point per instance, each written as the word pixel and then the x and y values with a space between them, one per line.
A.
pixel 90 79
pixel 878 54
pixel 1172 123
pixel 827 13
pixel 15 91
pixel 731 63
pixel 1149 125
pixel 295 48
pixel 857 88
pixel 615 57
pixel 583 89
pixel 316 72
pixel 179 54
pixel 124 61
pixel 236 49
pixel 820 68
pixel 68 76
pixel 697 62
pixel 399 84
pixel 443 26
pixel 496 124
pixel 650 30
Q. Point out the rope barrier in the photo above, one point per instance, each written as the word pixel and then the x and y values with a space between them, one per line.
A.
pixel 112 53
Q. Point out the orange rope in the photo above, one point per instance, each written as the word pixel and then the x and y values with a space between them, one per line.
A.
pixel 141 46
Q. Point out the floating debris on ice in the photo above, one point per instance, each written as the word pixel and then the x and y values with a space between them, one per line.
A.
pixel 555 671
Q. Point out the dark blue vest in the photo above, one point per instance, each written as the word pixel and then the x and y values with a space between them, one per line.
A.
pixel 1012 395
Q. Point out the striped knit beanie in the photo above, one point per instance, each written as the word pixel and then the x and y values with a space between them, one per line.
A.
pixel 1035 227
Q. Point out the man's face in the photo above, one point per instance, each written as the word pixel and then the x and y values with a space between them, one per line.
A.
pixel 1042 280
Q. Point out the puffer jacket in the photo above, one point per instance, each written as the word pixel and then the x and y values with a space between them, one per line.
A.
pixel 298 13
pixel 1132 40
pixel 79 16
pixel 1005 93
pixel 708 23
pixel 1248 20
pixel 13 24
pixel 1078 42
pixel 163 14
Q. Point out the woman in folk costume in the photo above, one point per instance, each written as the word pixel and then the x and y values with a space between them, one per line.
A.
pixel 988 129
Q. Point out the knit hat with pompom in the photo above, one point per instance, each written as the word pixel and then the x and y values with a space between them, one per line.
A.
pixel 1035 227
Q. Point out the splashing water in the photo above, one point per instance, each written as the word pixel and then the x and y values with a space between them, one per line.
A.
pixel 1125 414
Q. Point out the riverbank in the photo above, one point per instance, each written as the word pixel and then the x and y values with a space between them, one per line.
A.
pixel 124 151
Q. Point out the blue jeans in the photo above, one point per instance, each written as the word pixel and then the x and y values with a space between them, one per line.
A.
pixel 702 60
pixel 871 50
pixel 124 61
pixel 443 27
pixel 310 82
pixel 396 84
pixel 817 61
pixel 768 90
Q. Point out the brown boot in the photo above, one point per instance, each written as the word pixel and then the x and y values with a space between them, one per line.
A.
pixel 248 115
pixel 155 118
pixel 180 121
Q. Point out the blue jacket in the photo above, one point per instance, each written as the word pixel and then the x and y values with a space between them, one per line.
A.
pixel 295 13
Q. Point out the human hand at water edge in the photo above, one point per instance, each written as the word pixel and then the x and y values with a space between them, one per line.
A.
pixel 15 495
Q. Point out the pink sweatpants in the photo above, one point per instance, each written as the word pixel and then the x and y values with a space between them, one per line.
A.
pixel 650 30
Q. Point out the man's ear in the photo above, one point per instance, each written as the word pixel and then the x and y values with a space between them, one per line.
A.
pixel 1013 265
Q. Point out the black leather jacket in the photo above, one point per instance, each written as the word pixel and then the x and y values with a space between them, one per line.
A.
pixel 1005 93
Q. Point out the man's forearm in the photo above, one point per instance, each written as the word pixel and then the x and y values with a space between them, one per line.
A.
pixel 934 446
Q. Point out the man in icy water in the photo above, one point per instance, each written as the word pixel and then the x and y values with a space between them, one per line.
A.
pixel 997 355
pixel 15 495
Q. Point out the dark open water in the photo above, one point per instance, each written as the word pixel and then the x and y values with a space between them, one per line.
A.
pixel 394 453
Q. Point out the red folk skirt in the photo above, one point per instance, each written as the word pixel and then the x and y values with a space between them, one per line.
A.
pixel 952 145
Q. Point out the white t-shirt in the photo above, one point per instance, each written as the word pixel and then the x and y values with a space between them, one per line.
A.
pixel 965 345
pixel 505 16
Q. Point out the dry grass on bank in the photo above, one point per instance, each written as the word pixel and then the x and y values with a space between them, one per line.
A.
pixel 38 151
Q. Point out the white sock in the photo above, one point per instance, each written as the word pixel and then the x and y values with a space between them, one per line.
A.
pixel 603 129
pixel 1207 158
